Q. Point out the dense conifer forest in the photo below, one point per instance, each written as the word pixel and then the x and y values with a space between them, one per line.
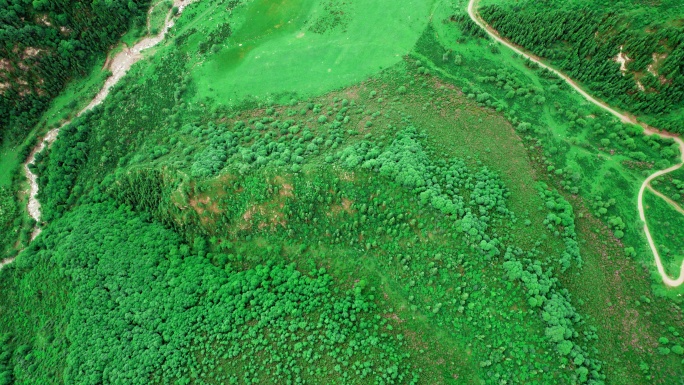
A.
pixel 45 44
pixel 589 39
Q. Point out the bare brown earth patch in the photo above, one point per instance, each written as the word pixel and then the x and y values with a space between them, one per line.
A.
pixel 202 204
pixel 269 215
pixel 286 189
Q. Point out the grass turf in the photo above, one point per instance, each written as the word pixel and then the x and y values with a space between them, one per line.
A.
pixel 302 47
pixel 666 225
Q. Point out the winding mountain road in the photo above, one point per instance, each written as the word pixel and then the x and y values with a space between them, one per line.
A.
pixel 472 12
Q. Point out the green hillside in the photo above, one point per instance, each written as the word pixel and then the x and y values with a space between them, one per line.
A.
pixel 322 192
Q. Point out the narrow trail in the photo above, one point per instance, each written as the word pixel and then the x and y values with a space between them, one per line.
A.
pixel 625 118
pixel 119 65
pixel 672 203
pixel 647 183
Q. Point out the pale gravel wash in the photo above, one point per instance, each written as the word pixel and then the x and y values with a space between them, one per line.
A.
pixel 119 65
pixel 33 204
pixel 472 5
pixel 123 61
pixel 6 262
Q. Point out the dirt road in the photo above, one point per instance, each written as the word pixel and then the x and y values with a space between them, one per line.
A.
pixel 472 12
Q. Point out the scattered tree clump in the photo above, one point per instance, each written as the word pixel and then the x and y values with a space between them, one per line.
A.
pixel 145 306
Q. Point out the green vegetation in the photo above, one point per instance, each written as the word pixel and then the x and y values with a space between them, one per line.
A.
pixel 44 44
pixel 75 97
pixel 667 224
pixel 8 161
pixel 450 215
pixel 8 215
pixel 157 16
pixel 593 154
pixel 297 48
pixel 586 38
pixel 141 305
pixel 671 185
pixel 15 225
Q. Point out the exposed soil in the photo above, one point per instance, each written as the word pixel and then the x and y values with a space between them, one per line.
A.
pixel 33 204
pixel 622 59
pixel 6 262
pixel 657 59
pixel 122 62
